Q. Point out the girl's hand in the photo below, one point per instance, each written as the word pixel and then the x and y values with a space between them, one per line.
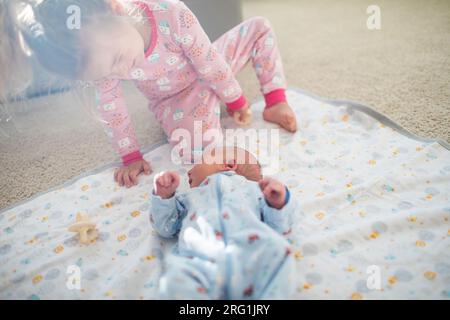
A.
pixel 274 192
pixel 166 183
pixel 242 116
pixel 127 175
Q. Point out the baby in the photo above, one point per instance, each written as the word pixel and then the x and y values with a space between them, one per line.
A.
pixel 230 228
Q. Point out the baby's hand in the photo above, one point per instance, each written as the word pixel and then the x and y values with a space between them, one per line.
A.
pixel 166 183
pixel 274 192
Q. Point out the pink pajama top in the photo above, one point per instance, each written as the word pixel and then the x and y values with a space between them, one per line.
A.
pixel 180 53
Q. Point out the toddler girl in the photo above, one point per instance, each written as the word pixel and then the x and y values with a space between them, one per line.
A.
pixel 161 46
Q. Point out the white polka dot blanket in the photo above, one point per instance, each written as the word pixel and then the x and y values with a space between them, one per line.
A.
pixel 374 220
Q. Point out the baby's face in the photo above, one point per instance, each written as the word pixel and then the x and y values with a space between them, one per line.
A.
pixel 112 49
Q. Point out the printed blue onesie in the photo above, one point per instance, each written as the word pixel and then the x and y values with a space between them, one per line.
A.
pixel 231 243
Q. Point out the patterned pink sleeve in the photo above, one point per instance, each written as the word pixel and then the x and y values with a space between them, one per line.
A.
pixel 114 113
pixel 209 64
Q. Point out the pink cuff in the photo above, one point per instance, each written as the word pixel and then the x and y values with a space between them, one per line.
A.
pixel 275 97
pixel 238 104
pixel 131 157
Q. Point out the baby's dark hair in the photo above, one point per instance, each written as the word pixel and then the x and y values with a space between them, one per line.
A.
pixel 251 171
pixel 247 164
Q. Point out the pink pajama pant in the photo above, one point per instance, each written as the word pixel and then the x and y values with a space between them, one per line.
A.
pixel 253 39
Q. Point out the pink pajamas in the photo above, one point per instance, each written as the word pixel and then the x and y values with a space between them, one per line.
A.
pixel 185 77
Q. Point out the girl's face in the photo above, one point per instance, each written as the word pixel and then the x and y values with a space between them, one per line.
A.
pixel 112 49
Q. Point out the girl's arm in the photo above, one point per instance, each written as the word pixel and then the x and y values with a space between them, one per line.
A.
pixel 113 111
pixel 209 64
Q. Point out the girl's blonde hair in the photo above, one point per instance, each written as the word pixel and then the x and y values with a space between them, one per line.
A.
pixel 13 56
pixel 36 31
pixel 39 28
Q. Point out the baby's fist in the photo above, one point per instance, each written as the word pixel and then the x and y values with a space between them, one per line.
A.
pixel 274 192
pixel 165 184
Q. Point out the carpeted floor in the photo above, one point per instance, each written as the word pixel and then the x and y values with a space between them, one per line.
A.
pixel 401 70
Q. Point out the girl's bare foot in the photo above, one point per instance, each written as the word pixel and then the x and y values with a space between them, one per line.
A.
pixel 281 114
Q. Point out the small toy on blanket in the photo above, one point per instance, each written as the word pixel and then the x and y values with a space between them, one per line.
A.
pixel 85 228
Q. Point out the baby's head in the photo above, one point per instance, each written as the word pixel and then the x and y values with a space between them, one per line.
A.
pixel 79 39
pixel 225 159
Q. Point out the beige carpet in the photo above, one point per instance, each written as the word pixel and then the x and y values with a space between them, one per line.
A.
pixel 402 70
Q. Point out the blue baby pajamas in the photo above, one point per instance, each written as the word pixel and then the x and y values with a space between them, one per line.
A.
pixel 231 243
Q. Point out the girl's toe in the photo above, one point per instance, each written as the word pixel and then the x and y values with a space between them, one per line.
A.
pixel 289 123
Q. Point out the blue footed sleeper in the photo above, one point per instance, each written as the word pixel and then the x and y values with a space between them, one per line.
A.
pixel 231 243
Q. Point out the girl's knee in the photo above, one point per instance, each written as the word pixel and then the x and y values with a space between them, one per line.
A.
pixel 260 22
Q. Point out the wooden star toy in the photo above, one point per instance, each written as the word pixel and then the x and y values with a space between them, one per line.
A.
pixel 85 229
